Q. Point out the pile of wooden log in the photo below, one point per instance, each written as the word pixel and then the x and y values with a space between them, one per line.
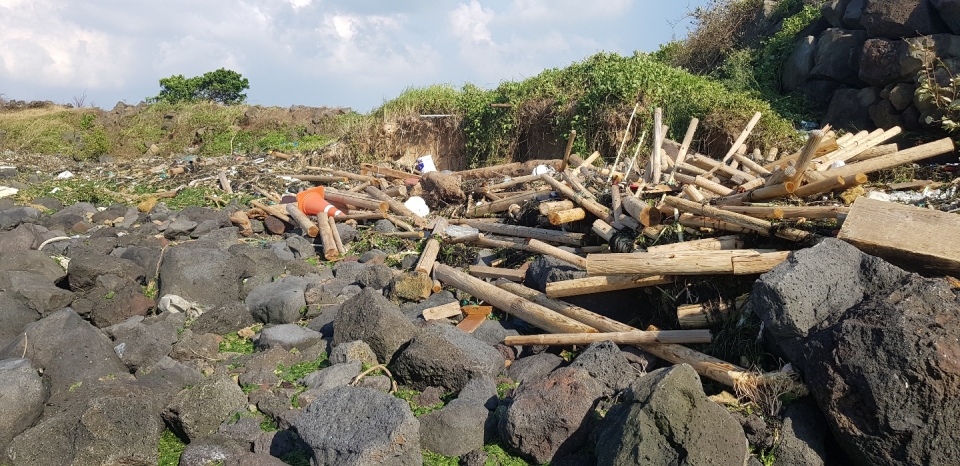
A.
pixel 677 189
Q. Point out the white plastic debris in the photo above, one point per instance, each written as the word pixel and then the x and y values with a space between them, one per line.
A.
pixel 418 206
pixel 541 169
pixel 459 231
pixel 425 164
pixel 837 164
pixel 66 174
pixel 878 196
pixel 7 191
pixel 175 304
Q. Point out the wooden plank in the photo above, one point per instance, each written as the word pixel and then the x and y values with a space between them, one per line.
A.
pixel 482 271
pixel 443 311
pixel 916 239
pixel 471 323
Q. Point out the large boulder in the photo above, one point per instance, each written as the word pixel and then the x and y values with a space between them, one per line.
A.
pixel 15 317
pixel 949 12
pixel 85 270
pixel 207 276
pixel 372 318
pixel 144 342
pixel 887 375
pixel 604 362
pixel 443 355
pixel 69 350
pixel 198 411
pixel 880 62
pixel 11 218
pixel 23 395
pixel 354 426
pixel 456 429
pixel 550 418
pixel 803 436
pixel 838 56
pixel 110 423
pixel 814 287
pixel 798 66
pixel 850 108
pixel 667 419
pixel 895 19
pixel 279 302
pixel 288 337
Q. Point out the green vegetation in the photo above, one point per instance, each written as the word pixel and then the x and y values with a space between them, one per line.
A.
pixel 938 87
pixel 171 447
pixel 719 48
pixel 222 86
pixel 503 387
pixel 234 343
pixel 593 97
pixel 299 370
pixel 408 395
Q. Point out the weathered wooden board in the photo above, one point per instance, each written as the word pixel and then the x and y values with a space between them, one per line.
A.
pixel 921 240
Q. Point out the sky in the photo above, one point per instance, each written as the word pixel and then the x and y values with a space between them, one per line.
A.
pixel 311 52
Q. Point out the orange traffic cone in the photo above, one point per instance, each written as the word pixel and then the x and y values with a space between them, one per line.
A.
pixel 311 202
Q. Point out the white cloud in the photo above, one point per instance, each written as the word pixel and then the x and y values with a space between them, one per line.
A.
pixel 298 4
pixel 470 22
pixel 566 11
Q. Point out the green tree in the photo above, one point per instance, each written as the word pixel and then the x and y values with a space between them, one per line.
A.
pixel 223 86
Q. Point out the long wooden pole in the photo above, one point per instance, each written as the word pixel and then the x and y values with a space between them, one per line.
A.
pixel 806 155
pixel 706 366
pixel 623 141
pixel 914 154
pixel 831 183
pixel 590 205
pixel 708 244
pixel 636 337
pixel 779 212
pixel 543 248
pixel 511 183
pixel 703 262
pixel 591 285
pixel 553 236
pixel 396 206
pixel 696 221
pixel 503 204
pixel 791 234
pixel 533 313
pixel 355 200
pixel 336 235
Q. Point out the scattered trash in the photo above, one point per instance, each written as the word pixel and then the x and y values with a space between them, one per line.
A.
pixel 541 169
pixel 7 191
pixel 417 205
pixel 66 174
pixel 425 164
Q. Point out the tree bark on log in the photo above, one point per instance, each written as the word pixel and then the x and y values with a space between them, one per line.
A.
pixel 720 243
pixel 704 262
pixel 590 205
pixel 330 251
pixel 543 248
pixel 396 206
pixel 552 236
pixel 301 220
pixel 788 233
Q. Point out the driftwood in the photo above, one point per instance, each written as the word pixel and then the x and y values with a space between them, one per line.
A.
pixel 356 200
pixel 301 220
pixel 636 337
pixel 443 311
pixel 914 154
pixel 566 216
pixel 366 168
pixel 780 212
pixel 696 221
pixel 396 206
pixel 242 221
pixel 706 366
pixel 507 170
pixel 330 251
pixel 918 239
pixel 591 285
pixel 535 314
pixel 503 204
pixel 588 204
pixel 703 262
pixel 831 183
pixel 482 271
pixel 792 234
pixel 430 251
pixel 552 236
pixel 540 247
pixel 691 316
pixel 546 208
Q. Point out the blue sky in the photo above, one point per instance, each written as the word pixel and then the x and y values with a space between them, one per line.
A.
pixel 310 52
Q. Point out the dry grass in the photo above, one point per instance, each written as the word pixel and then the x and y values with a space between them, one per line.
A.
pixel 718 29
pixel 768 390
